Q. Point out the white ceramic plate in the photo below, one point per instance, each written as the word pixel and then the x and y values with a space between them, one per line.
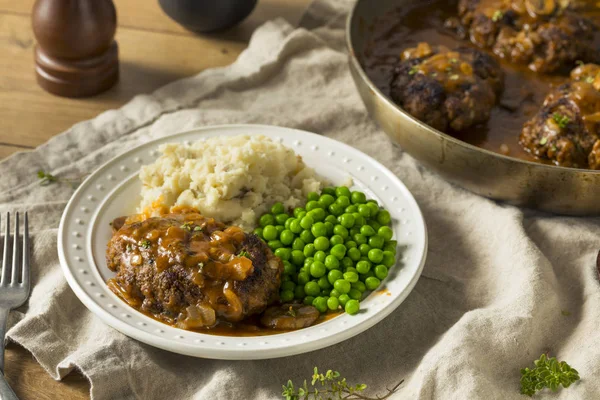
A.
pixel 113 190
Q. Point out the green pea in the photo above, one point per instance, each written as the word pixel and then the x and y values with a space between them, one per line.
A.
pixel 334 293
pixel 376 242
pixel 274 244
pixel 312 288
pixel 299 292
pixel 364 210
pixel 333 303
pixel 303 278
pixel 364 249
pixel 318 214
pixel 306 236
pixel 288 268
pixel 354 254
pixel 371 282
pixel 309 249
pixel 351 269
pixel 258 232
pixel 302 214
pixel 269 232
pixel 285 278
pixel 321 243
pixel 297 211
pixel 288 222
pixel 358 198
pixel 336 209
pixel 283 253
pixel 281 218
pixel 308 300
pixel 389 258
pixel 352 307
pixel 359 238
pixel 383 217
pixel 329 191
pixel 320 303
pixel 328 228
pixel 343 299
pixel 342 191
pixel 286 295
pixel 359 220
pixel 307 222
pixel 389 247
pixel 374 224
pixel 375 256
pixel 331 262
pixel 385 232
pixel 279 229
pixel 350 244
pixel 295 226
pixel 381 272
pixel 312 196
pixel 266 219
pixel 277 208
pixel 355 294
pixel 326 200
pixel 297 257
pixel 340 230
pixel 351 277
pixel 342 285
pixel 346 220
pixel 311 205
pixel 354 231
pixel 347 263
pixel 364 277
pixel 317 269
pixel 334 275
pixel 351 209
pixel 336 239
pixel 338 251
pixel 318 229
pixel 298 244
pixel 373 208
pixel 363 267
pixel 360 286
pixel 324 283
pixel 308 261
pixel 331 219
pixel 289 285
pixel 393 243
pixel 320 256
pixel 343 201
pixel 286 237
pixel 367 231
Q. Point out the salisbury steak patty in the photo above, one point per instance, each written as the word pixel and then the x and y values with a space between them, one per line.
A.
pixel 192 271
pixel 446 88
pixel 566 130
pixel 546 35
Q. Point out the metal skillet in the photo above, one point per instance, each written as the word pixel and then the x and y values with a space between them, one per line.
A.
pixel 523 183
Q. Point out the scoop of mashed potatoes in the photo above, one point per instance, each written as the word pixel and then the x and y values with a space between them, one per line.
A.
pixel 232 179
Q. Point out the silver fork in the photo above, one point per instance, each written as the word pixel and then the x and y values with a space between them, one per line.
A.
pixel 14 287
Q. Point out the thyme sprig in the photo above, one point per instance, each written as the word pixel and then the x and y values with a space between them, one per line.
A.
pixel 46 178
pixel 548 373
pixel 330 386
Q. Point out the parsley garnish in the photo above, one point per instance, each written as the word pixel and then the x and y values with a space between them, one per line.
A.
pixel 589 79
pixel 497 16
pixel 187 226
pixel 330 386
pixel 543 141
pixel 145 244
pixel 413 70
pixel 291 312
pixel 561 120
pixel 197 228
pixel 45 178
pixel 244 253
pixel 129 247
pixel 548 373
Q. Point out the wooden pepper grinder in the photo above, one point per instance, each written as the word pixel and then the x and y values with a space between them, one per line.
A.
pixel 76 54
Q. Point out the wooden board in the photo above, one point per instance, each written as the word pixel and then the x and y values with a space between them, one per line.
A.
pixel 154 50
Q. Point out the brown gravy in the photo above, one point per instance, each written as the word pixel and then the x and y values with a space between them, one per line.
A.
pixel 423 21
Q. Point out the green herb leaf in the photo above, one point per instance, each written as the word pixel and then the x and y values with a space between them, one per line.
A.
pixel 187 226
pixel 197 228
pixel 589 79
pixel 497 16
pixel 543 141
pixel 45 178
pixel 413 70
pixel 145 244
pixel 244 253
pixel 548 373
pixel 561 120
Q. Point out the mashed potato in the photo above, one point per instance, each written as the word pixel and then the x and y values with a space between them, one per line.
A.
pixel 232 179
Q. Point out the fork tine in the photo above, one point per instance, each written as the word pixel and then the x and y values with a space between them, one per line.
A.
pixel 6 267
pixel 25 267
pixel 14 278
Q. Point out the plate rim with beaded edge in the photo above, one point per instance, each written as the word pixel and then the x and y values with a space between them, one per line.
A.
pixel 84 231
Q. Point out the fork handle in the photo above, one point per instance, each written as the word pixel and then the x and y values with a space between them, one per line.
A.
pixel 6 393
pixel 3 320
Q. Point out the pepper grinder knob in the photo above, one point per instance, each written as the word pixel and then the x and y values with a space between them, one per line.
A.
pixel 76 54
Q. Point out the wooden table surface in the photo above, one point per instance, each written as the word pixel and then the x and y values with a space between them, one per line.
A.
pixel 154 50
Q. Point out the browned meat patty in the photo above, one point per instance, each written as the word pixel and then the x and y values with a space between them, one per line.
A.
pixel 447 89
pixel 191 271
pixel 566 130
pixel 542 34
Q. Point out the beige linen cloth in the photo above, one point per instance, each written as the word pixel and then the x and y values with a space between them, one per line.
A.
pixel 501 285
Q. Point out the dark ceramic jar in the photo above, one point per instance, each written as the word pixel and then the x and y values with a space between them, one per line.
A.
pixel 207 15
